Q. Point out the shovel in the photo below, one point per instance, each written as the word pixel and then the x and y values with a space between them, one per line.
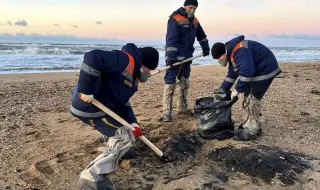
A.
pixel 178 63
pixel 123 122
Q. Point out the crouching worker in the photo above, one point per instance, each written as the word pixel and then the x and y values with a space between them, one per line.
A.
pixel 255 67
pixel 111 77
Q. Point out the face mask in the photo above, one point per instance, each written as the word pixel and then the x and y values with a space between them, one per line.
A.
pixel 190 13
pixel 144 76
pixel 223 62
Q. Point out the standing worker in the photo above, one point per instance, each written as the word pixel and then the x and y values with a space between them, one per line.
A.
pixel 183 27
pixel 255 67
pixel 112 78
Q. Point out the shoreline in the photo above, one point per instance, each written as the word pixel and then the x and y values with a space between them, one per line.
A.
pixel 161 67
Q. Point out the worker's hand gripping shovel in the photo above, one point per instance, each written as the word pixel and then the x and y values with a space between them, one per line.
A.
pixel 123 122
pixel 176 64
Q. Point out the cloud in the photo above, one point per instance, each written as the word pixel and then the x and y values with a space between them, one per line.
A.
pixel 237 34
pixel 21 23
pixel 57 25
pixel 74 26
pixel 6 34
pixel 99 22
pixel 6 23
pixel 296 36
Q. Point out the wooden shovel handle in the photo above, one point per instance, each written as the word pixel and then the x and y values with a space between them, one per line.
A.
pixel 178 63
pixel 123 122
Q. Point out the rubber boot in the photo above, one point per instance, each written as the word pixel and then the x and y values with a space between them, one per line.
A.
pixel 251 126
pixel 182 103
pixel 130 154
pixel 93 177
pixel 167 101
pixel 103 183
pixel 257 115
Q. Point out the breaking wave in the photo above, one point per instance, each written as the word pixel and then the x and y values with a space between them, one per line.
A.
pixel 68 57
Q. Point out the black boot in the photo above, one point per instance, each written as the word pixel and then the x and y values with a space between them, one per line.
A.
pixel 242 135
pixel 103 183
pixel 167 117
pixel 131 154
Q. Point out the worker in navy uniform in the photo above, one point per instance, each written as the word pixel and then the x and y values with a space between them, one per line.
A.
pixel 182 30
pixel 254 66
pixel 111 77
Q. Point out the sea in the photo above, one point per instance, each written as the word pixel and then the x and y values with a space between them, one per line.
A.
pixel 39 58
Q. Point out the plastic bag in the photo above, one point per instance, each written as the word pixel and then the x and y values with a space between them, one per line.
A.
pixel 214 115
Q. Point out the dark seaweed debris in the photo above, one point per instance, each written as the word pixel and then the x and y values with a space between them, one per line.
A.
pixel 263 162
pixel 181 147
pixel 316 92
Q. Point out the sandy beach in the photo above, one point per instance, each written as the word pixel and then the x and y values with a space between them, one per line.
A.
pixel 44 147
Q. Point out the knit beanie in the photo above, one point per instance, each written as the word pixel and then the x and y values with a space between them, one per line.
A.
pixel 149 57
pixel 191 2
pixel 217 50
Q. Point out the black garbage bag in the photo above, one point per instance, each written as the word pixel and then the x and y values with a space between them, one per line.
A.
pixel 214 115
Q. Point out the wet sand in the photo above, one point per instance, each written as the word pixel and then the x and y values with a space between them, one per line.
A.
pixel 43 146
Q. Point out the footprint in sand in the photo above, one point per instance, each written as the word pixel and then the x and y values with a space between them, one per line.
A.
pixel 51 167
pixel 155 125
pixel 62 120
pixel 47 167
pixel 145 120
pixel 31 133
pixel 70 155
pixel 37 135
pixel 42 134
pixel 32 179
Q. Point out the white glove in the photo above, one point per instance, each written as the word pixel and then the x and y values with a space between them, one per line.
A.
pixel 234 94
pixel 86 98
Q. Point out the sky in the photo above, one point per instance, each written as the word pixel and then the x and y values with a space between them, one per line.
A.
pixel 275 22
